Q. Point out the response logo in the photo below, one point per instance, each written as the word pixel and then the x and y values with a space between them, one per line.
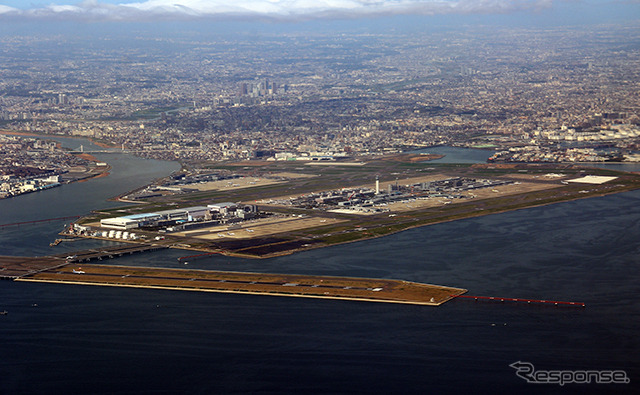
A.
pixel 527 372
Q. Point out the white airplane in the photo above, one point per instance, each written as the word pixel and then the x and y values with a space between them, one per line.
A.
pixel 78 271
pixel 72 257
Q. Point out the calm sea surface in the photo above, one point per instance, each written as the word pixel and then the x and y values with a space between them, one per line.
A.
pixel 82 339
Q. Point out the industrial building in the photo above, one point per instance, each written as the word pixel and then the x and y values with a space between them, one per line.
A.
pixel 221 212
pixel 366 199
pixel 130 221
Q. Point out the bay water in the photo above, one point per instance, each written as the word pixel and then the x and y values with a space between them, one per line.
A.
pixel 102 340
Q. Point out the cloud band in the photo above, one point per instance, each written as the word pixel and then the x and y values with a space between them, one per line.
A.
pixel 266 9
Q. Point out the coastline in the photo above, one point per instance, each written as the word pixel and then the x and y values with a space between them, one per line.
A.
pixel 92 174
pixel 44 135
pixel 381 229
pixel 470 214
pixel 388 232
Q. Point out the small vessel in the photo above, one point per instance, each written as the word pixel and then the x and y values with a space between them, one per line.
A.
pixel 5 312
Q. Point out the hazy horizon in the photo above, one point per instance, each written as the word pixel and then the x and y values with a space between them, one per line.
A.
pixel 298 14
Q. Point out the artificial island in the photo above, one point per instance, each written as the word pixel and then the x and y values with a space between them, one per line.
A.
pixel 56 270
pixel 291 144
pixel 261 209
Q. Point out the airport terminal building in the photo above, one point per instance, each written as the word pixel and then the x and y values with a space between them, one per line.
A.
pixel 179 216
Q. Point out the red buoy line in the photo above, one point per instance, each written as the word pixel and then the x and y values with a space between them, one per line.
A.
pixel 499 299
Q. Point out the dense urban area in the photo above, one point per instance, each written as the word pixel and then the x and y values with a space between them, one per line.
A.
pixel 552 95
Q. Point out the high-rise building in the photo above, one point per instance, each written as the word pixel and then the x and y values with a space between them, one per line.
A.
pixel 244 89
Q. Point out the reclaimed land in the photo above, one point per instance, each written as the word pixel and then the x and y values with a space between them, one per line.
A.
pixel 358 228
pixel 12 267
pixel 323 287
pixel 347 228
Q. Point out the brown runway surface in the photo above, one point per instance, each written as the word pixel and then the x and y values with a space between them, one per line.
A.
pixel 347 288
pixel 16 266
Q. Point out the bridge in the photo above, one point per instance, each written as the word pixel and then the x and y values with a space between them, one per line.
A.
pixel 107 252
pixel 15 267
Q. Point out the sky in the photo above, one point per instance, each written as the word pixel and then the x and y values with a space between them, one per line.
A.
pixel 290 10
pixel 571 11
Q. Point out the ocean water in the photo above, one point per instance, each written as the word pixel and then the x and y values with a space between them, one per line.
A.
pixel 102 340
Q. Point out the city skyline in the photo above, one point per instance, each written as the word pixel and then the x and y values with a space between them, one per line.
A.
pixel 221 153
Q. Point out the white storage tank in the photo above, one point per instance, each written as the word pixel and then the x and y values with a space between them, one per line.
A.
pixel 112 234
pixel 118 234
